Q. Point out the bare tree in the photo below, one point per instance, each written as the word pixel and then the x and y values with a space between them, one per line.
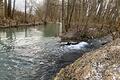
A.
pixel 63 13
pixel 5 8
pixel 13 8
pixel 9 8
pixel 1 8
pixel 25 11
pixel 46 11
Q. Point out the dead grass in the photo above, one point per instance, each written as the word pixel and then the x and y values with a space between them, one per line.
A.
pixel 101 64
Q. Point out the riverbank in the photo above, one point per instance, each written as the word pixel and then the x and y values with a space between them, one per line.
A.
pixel 6 23
pixel 83 33
pixel 20 25
pixel 101 64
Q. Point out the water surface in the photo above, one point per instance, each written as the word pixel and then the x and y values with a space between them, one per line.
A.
pixel 29 53
pixel 35 53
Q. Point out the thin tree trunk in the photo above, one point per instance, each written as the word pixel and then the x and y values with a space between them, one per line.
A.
pixel 13 9
pixel 46 12
pixel 71 14
pixel 68 12
pixel 63 26
pixel 9 8
pixel 5 8
pixel 25 11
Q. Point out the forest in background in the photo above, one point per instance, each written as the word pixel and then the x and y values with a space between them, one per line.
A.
pixel 99 16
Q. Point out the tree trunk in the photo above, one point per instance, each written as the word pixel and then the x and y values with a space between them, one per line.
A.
pixel 13 9
pixel 46 12
pixel 9 8
pixel 25 11
pixel 71 14
pixel 68 12
pixel 63 26
pixel 5 8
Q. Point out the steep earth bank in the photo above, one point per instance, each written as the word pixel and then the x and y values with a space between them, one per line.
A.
pixel 101 64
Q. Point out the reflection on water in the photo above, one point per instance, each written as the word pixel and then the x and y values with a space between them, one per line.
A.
pixel 50 31
pixel 28 53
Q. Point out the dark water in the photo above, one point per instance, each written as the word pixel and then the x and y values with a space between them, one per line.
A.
pixel 29 53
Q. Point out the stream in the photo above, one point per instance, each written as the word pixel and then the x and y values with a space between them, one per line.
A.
pixel 33 53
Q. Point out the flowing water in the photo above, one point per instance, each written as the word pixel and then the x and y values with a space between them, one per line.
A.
pixel 29 53
pixel 33 53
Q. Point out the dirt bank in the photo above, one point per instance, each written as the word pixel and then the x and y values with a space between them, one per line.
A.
pixel 101 64
pixel 79 33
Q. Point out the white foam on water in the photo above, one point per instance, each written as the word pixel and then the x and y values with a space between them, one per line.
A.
pixel 78 46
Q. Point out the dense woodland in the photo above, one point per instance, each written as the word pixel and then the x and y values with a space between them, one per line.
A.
pixel 100 16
